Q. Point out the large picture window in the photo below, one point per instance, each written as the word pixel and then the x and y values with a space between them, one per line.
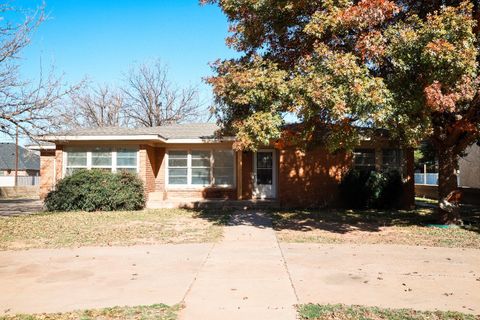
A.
pixel 102 159
pixel 127 160
pixel 392 159
pixel 364 159
pixel 178 167
pixel 108 159
pixel 201 167
pixel 76 160
pixel 223 167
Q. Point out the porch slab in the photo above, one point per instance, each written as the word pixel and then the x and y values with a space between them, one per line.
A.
pixel 212 204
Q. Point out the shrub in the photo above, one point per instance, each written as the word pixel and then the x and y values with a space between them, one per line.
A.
pixel 364 189
pixel 97 190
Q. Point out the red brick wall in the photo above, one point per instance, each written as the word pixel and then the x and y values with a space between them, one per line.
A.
pixel 247 175
pixel 160 175
pixel 46 172
pixel 148 167
pixel 206 193
pixel 310 178
pixel 47 165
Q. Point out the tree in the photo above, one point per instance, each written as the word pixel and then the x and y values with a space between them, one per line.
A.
pixel 99 106
pixel 153 100
pixel 24 105
pixel 337 65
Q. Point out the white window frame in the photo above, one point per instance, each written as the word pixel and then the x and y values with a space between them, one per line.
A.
pixel 189 184
pixel 89 159
pixel 111 167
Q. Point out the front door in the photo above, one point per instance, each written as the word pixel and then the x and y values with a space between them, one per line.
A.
pixel 265 174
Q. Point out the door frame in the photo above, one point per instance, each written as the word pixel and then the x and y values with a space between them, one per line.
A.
pixel 274 173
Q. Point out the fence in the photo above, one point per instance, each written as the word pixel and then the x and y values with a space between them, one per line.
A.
pixel 9 181
pixel 426 178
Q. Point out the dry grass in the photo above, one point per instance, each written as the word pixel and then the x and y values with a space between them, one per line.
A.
pixel 158 312
pixel 76 229
pixel 375 227
pixel 342 312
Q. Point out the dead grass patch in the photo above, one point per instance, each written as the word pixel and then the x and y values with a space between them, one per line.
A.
pixel 375 227
pixel 76 229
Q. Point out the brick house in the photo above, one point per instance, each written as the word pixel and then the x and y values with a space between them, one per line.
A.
pixel 185 163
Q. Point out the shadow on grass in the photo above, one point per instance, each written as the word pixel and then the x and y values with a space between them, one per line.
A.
pixel 219 217
pixel 345 221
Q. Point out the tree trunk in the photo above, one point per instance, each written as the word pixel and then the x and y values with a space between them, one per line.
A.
pixel 447 182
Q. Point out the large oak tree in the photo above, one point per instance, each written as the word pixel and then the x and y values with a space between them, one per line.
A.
pixel 338 65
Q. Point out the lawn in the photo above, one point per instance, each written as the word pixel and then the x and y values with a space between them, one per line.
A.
pixel 76 229
pixel 157 312
pixel 377 227
pixel 342 312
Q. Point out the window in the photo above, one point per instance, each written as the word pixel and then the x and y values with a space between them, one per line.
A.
pixel 392 158
pixel 178 167
pixel 76 160
pixel 101 158
pixel 127 160
pixel 364 159
pixel 223 167
pixel 201 167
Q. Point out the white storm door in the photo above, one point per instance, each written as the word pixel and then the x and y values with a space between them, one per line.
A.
pixel 265 174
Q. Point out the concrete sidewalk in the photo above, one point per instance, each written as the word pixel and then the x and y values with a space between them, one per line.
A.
pixel 390 276
pixel 244 277
pixel 56 280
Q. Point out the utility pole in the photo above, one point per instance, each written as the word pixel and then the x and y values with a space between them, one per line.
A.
pixel 16 156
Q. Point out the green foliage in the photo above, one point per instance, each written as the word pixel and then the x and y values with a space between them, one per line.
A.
pixel 97 190
pixel 338 311
pixel 362 189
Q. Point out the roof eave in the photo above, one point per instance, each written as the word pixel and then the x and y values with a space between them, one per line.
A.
pixel 149 137
pixel 155 138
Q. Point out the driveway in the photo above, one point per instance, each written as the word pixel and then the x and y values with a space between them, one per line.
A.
pixel 248 275
pixel 13 207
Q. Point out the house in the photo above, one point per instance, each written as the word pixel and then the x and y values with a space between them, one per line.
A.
pixel 28 165
pixel 185 163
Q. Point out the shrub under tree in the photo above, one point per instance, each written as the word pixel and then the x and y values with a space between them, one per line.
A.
pixel 97 190
pixel 370 189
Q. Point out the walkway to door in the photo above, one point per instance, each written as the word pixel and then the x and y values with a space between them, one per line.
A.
pixel 244 276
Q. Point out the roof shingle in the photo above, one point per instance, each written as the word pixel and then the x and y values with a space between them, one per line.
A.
pixel 27 160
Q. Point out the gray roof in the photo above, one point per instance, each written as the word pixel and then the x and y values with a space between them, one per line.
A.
pixel 27 160
pixel 174 131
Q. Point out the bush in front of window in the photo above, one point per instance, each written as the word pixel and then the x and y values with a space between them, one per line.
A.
pixel 362 189
pixel 97 190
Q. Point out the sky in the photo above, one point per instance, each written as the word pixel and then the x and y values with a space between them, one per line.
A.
pixel 101 39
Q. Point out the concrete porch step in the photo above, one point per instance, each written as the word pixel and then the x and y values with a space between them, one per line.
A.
pixel 212 204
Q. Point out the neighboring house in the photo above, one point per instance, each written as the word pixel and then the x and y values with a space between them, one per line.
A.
pixel 187 163
pixel 469 168
pixel 28 165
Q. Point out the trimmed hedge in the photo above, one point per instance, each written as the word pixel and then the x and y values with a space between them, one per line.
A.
pixel 97 190
pixel 375 190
